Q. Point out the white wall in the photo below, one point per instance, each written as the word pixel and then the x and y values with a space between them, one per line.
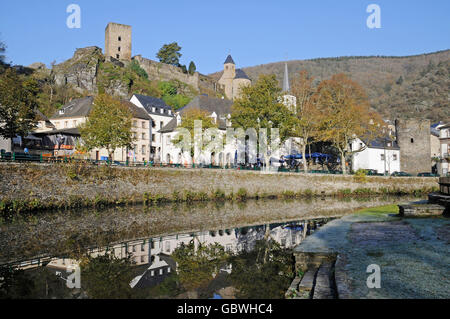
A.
pixel 371 158
pixel 5 144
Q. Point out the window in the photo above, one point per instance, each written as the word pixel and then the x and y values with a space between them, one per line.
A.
pixel 142 259
pixel 168 247
pixel 394 157
pixel 152 273
pixel 162 111
pixel 143 124
pixel 153 138
pixel 118 49
pixel 117 56
pixel 161 124
pixel 382 157
pixel 153 124
pixel 120 39
pixel 143 136
pixel 412 140
pixel 153 109
pixel 75 123
pixel 135 123
pixel 144 150
pixel 161 272
pixel 66 123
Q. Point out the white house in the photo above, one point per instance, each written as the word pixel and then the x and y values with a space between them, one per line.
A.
pixel 444 137
pixel 382 155
pixel 161 115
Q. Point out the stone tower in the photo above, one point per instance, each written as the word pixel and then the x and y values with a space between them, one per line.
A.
pixel 413 138
pixel 229 73
pixel 118 41
pixel 233 80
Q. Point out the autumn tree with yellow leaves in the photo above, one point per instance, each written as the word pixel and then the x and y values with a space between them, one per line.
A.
pixel 345 114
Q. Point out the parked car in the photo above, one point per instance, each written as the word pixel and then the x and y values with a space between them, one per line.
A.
pixel 427 175
pixel 373 172
pixel 401 174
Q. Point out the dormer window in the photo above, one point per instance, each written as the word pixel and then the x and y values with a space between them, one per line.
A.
pixel 153 109
pixel 162 111
pixel 170 112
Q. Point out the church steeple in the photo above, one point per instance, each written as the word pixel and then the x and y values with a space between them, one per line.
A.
pixel 286 86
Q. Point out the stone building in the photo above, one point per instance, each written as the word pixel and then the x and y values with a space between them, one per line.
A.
pixel 233 79
pixel 413 138
pixel 118 41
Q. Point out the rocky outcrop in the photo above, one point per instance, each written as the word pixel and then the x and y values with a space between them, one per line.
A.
pixel 81 70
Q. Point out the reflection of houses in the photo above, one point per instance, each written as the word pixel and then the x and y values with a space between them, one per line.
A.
pixel 156 251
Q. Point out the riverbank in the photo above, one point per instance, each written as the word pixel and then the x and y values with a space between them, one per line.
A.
pixel 413 254
pixel 34 187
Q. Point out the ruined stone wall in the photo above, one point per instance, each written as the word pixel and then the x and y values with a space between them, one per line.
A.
pixel 165 72
pixel 413 137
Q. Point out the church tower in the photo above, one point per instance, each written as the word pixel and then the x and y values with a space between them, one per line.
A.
pixel 289 100
pixel 229 72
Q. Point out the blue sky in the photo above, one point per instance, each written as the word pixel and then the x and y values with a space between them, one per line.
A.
pixel 254 32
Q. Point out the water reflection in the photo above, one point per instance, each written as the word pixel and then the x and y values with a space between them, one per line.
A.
pixel 186 265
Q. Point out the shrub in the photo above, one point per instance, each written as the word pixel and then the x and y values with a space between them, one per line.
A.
pixel 241 195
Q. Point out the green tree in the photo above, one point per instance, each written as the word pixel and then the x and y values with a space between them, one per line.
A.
pixel 192 68
pixel 196 265
pixel 108 125
pixel 2 52
pixel 17 104
pixel 107 277
pixel 170 54
pixel 263 273
pixel 136 68
pixel 261 106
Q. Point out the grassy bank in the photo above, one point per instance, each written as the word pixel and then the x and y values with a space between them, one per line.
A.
pixel 30 188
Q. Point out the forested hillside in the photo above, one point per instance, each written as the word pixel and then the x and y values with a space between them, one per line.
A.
pixel 413 86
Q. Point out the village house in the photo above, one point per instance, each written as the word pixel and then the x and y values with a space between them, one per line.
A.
pixel 443 166
pixel 381 155
pixel 66 134
pixel 161 114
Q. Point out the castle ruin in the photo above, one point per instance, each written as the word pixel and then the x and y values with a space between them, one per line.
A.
pixel 413 138
pixel 118 41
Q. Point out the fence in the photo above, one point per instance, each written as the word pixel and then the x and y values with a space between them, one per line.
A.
pixel 22 157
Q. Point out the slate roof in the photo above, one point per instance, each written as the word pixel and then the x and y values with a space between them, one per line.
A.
pixel 229 60
pixel 240 74
pixel 76 108
pixel 209 104
pixel 137 111
pixel 169 127
pixel 149 102
pixel 382 142
pixel 67 131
